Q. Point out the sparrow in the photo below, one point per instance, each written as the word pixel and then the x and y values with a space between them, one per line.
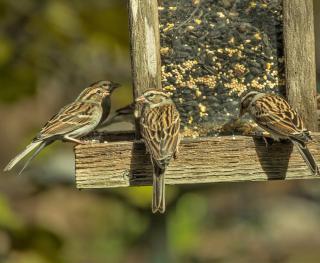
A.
pixel 159 126
pixel 273 114
pixel 73 121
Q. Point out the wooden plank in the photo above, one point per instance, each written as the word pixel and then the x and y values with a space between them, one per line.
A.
pixel 299 45
pixel 203 160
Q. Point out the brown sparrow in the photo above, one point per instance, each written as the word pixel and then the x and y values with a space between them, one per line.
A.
pixel 159 127
pixel 273 114
pixel 73 121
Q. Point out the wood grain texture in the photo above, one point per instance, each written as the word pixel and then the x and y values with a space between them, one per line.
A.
pixel 203 160
pixel 316 11
pixel 318 111
pixel 145 45
pixel 299 46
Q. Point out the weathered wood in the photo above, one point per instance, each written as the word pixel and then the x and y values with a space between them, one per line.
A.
pixel 318 112
pixel 203 160
pixel 299 47
pixel 145 45
pixel 215 159
pixel 316 8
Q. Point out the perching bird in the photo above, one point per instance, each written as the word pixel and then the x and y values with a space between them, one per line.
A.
pixel 273 114
pixel 73 121
pixel 159 127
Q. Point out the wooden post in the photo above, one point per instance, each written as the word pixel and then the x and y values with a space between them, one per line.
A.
pixel 316 8
pixel 299 46
pixel 145 45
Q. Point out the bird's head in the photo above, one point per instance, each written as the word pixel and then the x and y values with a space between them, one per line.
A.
pixel 154 98
pixel 246 101
pixel 98 91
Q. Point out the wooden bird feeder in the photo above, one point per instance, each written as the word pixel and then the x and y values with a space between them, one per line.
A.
pixel 123 161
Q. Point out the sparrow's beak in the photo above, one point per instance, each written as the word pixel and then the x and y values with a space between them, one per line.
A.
pixel 141 99
pixel 114 85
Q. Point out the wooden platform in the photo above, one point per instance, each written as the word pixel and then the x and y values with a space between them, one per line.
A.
pixel 203 160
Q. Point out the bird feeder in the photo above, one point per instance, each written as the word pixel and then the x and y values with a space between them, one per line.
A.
pixel 207 53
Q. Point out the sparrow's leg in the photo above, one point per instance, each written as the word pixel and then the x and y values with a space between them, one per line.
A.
pixel 260 135
pixel 68 138
pixel 265 141
pixel 176 154
pixel 268 140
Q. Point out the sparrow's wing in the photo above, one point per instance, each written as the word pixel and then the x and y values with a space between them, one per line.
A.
pixel 170 135
pixel 275 114
pixel 70 118
pixel 160 129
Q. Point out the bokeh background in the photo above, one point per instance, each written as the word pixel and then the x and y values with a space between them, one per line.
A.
pixel 49 51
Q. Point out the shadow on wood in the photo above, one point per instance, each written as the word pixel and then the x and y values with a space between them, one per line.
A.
pixel 274 158
pixel 140 165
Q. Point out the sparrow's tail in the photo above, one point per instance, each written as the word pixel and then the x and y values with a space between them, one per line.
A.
pixel 21 155
pixel 158 198
pixel 307 156
pixel 36 152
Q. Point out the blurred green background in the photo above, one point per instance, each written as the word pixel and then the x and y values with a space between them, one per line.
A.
pixel 49 51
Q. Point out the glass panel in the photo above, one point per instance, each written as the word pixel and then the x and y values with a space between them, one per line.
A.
pixel 212 51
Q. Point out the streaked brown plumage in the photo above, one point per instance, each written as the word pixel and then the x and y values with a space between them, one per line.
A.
pixel 73 121
pixel 159 127
pixel 273 114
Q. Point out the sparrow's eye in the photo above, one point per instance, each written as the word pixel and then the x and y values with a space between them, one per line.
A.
pixel 99 91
